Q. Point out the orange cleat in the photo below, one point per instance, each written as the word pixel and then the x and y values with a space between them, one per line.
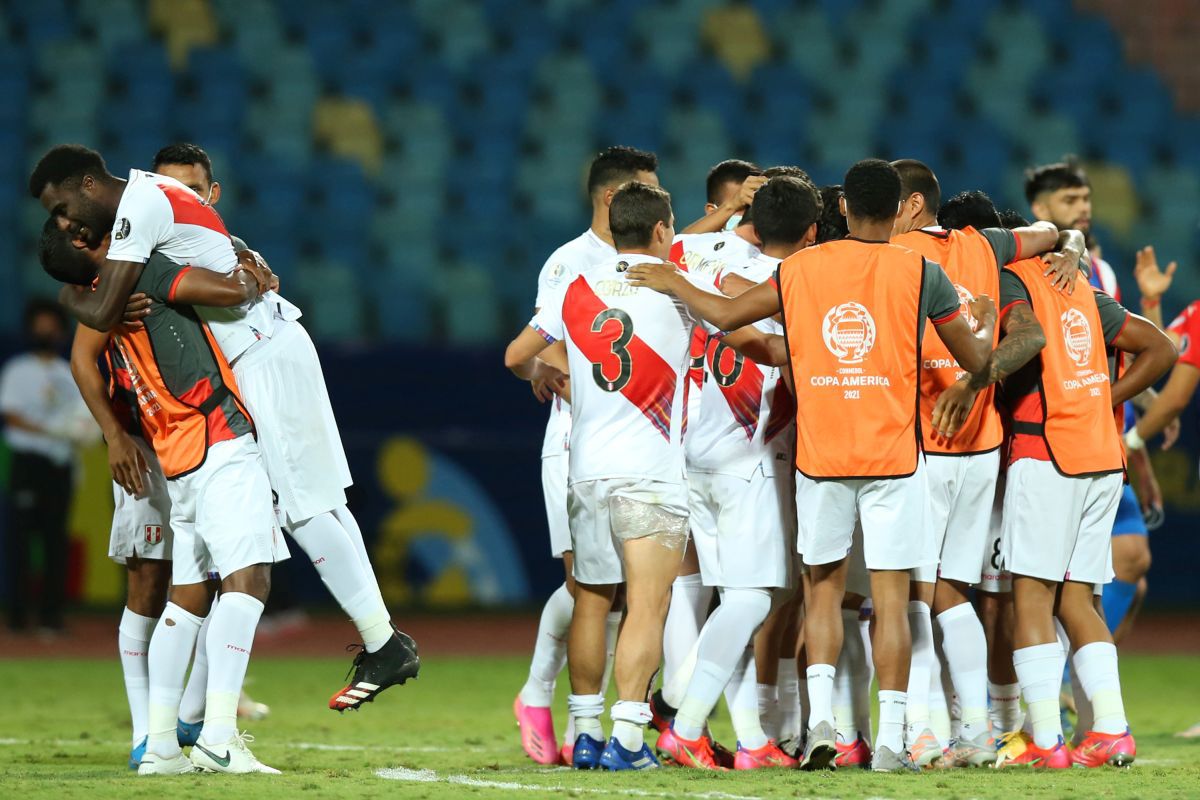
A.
pixel 769 755
pixel 1098 749
pixel 1018 750
pixel 857 754
pixel 674 749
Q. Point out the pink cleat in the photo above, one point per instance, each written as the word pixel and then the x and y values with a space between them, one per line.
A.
pixel 769 755
pixel 537 732
pixel 853 755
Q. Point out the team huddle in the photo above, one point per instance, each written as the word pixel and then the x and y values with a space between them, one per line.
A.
pixel 220 435
pixel 832 435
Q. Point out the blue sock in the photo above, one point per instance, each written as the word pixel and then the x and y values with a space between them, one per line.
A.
pixel 1118 597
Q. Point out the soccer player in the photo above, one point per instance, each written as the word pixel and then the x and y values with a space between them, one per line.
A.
pixel 609 169
pixel 729 189
pixel 1180 388
pixel 961 472
pixel 221 511
pixel 854 312
pixel 741 492
pixel 628 349
pixel 277 371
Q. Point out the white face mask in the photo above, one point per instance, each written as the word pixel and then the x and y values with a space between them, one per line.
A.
pixel 733 222
pixel 208 199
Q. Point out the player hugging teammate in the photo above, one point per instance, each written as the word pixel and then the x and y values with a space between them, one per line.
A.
pixel 851 404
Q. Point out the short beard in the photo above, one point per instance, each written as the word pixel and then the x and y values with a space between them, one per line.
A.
pixel 97 220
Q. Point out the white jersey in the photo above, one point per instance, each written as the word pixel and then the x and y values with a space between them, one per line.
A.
pixel 563 265
pixel 628 352
pixel 160 214
pixel 747 414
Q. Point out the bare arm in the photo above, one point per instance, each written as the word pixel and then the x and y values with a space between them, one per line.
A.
pixel 723 312
pixel 971 349
pixel 1023 339
pixel 717 220
pixel 762 348
pixel 203 287
pixel 1040 237
pixel 522 352
pixel 1153 356
pixel 1171 401
pixel 103 308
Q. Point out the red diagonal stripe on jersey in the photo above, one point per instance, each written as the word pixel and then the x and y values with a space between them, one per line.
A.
pixel 189 209
pixel 744 395
pixel 651 385
pixel 781 413
pixel 676 256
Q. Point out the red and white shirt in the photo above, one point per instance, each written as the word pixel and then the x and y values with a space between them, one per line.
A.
pixel 160 214
pixel 747 414
pixel 1187 328
pixel 563 265
pixel 627 349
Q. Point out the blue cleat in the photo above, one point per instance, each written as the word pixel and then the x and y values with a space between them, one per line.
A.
pixel 586 754
pixel 136 753
pixel 188 732
pixel 616 758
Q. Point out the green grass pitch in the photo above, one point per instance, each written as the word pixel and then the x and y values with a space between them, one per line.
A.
pixel 451 734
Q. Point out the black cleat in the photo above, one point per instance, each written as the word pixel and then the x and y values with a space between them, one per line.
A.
pixel 395 662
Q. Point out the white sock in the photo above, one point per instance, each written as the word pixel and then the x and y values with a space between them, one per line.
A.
pixel 769 713
pixel 1096 668
pixel 629 723
pixel 550 649
pixel 789 700
pixel 939 711
pixel 919 672
pixel 170 648
pixel 674 688
pixel 332 551
pixel 849 671
pixel 820 679
pixel 191 707
pixel 690 599
pixel 742 697
pixel 585 711
pixel 230 638
pixel 1004 706
pixel 1085 717
pixel 862 687
pixel 612 627
pixel 133 641
pixel 350 525
pixel 1039 670
pixel 965 647
pixel 891 720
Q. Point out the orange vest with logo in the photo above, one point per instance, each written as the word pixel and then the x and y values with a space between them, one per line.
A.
pixel 851 311
pixel 180 431
pixel 970 263
pixel 1074 384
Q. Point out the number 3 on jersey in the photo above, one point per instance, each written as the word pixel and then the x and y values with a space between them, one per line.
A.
pixel 605 324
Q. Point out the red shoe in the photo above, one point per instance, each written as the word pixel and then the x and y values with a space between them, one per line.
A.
pixel 537 732
pixel 661 713
pixel 725 759
pixel 853 755
pixel 769 755
pixel 673 749
pixel 1098 749
pixel 567 752
pixel 1018 750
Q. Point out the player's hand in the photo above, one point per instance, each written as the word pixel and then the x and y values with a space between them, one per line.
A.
pixel 253 263
pixel 1061 269
pixel 1171 433
pixel 1150 494
pixel 745 193
pixel 657 275
pixel 952 408
pixel 137 308
pixel 1152 282
pixel 128 465
pixel 983 309
pixel 547 381
pixel 733 285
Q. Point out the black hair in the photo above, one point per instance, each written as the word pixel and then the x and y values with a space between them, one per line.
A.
pixel 618 164
pixel 974 209
pixel 186 154
pixel 636 208
pixel 872 190
pixel 61 259
pixel 1010 219
pixel 831 224
pixel 917 178
pixel 732 170
pixel 1066 174
pixel 37 306
pixel 789 171
pixel 65 162
pixel 784 209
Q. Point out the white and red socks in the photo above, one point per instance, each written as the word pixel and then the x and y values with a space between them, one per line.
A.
pixel 965 647
pixel 629 723
pixel 170 650
pixel 820 678
pixel 892 715
pixel 191 707
pixel 585 711
pixel 1004 706
pixel 230 639
pixel 1096 669
pixel 133 642
pixel 921 670
pixel 550 649
pixel 1039 671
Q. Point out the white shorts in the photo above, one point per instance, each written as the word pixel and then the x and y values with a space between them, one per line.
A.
pixel 284 389
pixel 1058 528
pixel 222 515
pixel 961 491
pixel 141 525
pixel 554 490
pixel 994 576
pixel 597 550
pixel 743 528
pixel 894 513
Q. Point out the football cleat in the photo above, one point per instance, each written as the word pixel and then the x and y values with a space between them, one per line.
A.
pixel 821 748
pixel 152 764
pixel 537 732
pixel 617 759
pixel 857 754
pixel 661 713
pixel 565 756
pixel 251 709
pixel 188 733
pixel 1017 749
pixel 232 756
pixel 926 750
pixel 793 746
pixel 395 662
pixel 136 753
pixel 769 755
pixel 977 752
pixel 586 752
pixel 884 759
pixel 1098 749
pixel 724 757
pixel 697 753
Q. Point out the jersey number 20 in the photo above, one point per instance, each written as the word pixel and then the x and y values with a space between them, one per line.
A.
pixel 620 350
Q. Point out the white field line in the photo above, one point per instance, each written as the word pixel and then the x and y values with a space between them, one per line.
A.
pixel 430 776
pixel 352 748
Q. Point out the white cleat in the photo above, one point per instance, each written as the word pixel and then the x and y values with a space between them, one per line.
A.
pixel 152 764
pixel 232 756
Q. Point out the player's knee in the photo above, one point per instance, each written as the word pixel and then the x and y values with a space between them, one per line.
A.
pixel 194 598
pixel 254 580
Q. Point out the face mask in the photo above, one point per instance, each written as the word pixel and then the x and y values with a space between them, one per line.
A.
pixel 733 222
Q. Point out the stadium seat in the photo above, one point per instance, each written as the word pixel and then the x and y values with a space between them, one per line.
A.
pixel 184 24
pixel 347 128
